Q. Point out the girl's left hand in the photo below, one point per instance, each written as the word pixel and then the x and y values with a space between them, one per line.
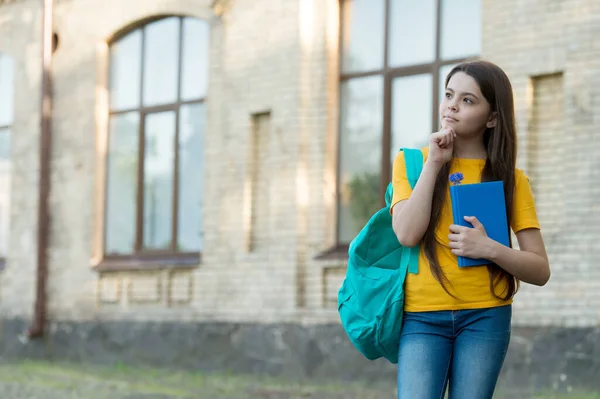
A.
pixel 469 242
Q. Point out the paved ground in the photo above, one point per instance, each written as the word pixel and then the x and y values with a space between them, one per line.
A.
pixel 43 380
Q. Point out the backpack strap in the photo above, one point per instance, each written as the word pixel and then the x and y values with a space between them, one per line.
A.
pixel 414 165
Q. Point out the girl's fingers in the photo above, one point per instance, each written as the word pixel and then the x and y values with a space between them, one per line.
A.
pixel 454 237
pixel 454 245
pixel 445 138
pixel 448 139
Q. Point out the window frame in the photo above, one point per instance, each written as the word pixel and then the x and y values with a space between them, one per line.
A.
pixel 389 74
pixel 141 258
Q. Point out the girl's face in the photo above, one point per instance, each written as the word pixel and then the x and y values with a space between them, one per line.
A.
pixel 464 108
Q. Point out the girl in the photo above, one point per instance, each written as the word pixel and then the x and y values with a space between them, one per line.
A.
pixel 457 320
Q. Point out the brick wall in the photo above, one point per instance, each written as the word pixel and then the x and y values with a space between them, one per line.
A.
pixel 254 70
pixel 20 29
pixel 280 58
pixel 545 153
pixel 548 51
pixel 266 56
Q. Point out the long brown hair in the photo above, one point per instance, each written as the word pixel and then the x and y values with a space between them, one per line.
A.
pixel 501 147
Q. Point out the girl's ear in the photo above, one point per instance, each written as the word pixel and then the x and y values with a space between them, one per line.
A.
pixel 492 120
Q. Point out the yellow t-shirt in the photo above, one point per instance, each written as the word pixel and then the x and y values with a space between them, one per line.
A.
pixel 470 285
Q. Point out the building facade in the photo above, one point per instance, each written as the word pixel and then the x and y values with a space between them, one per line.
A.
pixel 211 160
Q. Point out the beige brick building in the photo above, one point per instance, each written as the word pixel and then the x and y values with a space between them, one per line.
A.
pixel 209 158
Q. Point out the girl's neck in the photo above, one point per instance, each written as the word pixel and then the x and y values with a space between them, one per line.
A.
pixel 469 148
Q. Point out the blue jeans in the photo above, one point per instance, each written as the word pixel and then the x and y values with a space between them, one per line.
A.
pixel 460 350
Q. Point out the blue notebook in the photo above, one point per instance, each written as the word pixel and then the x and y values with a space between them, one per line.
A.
pixel 486 202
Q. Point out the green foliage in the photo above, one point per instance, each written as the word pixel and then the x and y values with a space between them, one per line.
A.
pixel 365 197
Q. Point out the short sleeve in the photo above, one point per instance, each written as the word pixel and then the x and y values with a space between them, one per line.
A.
pixel 400 184
pixel 524 213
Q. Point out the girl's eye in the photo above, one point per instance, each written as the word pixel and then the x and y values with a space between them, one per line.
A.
pixel 468 101
pixel 448 95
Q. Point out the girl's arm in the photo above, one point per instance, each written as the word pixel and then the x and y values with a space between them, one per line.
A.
pixel 529 263
pixel 410 217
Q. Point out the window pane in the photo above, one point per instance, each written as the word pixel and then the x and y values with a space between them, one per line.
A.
pixel 125 72
pixel 161 61
pixel 360 153
pixel 363 30
pixel 412 32
pixel 460 16
pixel 6 90
pixel 121 190
pixel 411 112
pixel 5 174
pixel 159 158
pixel 191 177
pixel 194 79
pixel 444 71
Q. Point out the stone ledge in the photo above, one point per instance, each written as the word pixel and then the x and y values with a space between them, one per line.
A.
pixel 539 359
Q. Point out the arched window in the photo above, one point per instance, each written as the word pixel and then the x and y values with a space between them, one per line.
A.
pixel 6 121
pixel 158 84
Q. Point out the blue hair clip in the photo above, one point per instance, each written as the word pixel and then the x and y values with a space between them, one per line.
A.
pixel 456 178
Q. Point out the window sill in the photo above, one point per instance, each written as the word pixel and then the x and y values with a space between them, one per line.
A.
pixel 338 252
pixel 144 263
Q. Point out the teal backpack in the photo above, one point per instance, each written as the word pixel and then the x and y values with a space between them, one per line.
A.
pixel 371 299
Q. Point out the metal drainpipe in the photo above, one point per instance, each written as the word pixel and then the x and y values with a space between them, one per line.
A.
pixel 36 330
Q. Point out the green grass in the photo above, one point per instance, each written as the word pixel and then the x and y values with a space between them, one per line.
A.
pixel 128 380
pixel 68 380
